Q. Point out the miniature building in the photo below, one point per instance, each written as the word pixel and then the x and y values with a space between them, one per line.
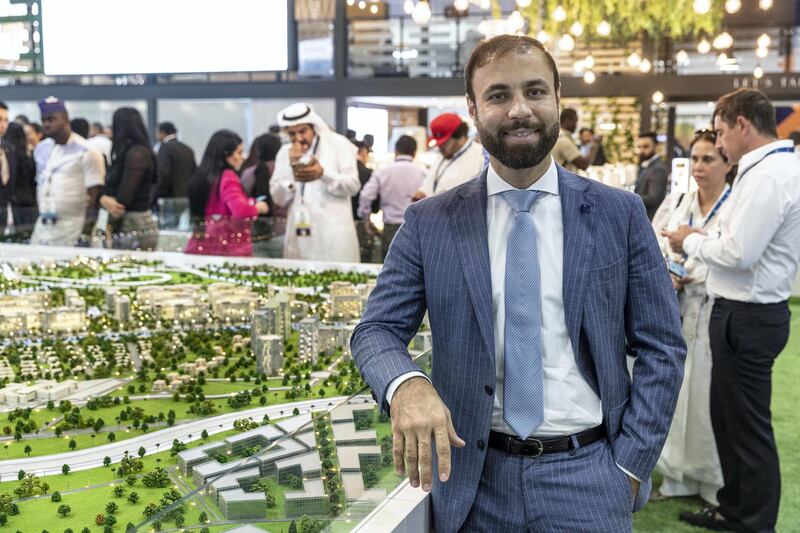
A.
pixel 422 341
pixel 334 336
pixel 159 385
pixel 308 345
pixel 268 350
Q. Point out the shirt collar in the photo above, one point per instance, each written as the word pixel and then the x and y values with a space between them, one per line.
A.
pixel 169 138
pixel 647 162
pixel 403 158
pixel 752 157
pixel 547 183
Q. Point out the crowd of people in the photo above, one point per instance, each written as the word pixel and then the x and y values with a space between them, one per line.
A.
pixel 731 245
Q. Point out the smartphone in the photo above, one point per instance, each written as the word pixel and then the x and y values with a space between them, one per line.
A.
pixel 681 175
pixel 676 269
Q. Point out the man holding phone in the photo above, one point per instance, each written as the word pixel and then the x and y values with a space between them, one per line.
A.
pixel 317 174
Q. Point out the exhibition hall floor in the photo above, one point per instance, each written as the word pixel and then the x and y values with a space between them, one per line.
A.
pixel 662 516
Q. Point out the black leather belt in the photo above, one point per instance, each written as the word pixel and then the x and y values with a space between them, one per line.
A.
pixel 532 447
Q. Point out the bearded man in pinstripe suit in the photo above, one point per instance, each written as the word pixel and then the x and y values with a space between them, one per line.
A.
pixel 537 283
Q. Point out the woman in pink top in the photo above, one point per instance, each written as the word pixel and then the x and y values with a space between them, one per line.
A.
pixel 222 212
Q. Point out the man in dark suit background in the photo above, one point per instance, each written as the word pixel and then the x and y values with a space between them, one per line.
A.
pixel 651 182
pixel 176 164
pixel 536 282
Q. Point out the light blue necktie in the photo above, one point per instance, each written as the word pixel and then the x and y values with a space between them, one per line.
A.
pixel 523 381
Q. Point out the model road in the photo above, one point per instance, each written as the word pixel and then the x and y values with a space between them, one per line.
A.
pixel 153 442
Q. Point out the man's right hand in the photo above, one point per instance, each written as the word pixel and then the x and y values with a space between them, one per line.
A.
pixel 419 195
pixel 417 413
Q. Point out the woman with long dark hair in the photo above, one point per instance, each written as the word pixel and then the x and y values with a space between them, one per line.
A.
pixel 267 231
pixel 126 194
pixel 19 194
pixel 221 211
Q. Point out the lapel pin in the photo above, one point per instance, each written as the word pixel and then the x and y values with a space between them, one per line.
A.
pixel 586 209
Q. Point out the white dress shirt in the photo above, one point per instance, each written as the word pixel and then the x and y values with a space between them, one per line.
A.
pixel 754 256
pixel 570 404
pixel 446 174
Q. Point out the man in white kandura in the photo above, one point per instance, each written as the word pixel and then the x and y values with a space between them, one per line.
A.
pixel 317 174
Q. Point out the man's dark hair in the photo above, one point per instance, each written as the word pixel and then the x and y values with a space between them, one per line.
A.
pixel 98 126
pixel 568 116
pixel 649 135
pixel 590 130
pixel 3 105
pixel 751 104
pixel 461 131
pixel 405 145
pixel 80 126
pixel 502 46
pixel 167 128
pixel 795 137
pixel 275 129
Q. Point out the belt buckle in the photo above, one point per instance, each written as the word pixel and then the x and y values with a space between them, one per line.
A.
pixel 531 442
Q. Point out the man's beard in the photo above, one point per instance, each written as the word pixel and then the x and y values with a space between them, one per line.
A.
pixel 522 156
pixel 643 158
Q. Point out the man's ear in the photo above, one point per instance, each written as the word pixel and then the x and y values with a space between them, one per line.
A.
pixel 744 125
pixel 473 111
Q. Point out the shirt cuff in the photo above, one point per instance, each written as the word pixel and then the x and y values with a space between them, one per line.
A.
pixel 691 244
pixel 399 381
pixel 629 474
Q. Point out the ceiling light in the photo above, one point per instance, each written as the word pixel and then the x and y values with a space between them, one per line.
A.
pixel 646 65
pixel 723 41
pixel 658 97
pixel 576 29
pixel 682 57
pixel 461 5
pixel 704 46
pixel 543 37
pixel 733 6
pixel 373 9
pixel 421 13
pixel 765 4
pixel 634 60
pixel 486 4
pixel 408 6
pixel 566 43
pixel 761 53
pixel 604 29
pixel 589 77
pixel 764 41
pixel 516 22
pixel 362 5
pixel 588 61
pixel 351 2
pixel 523 3
pixel 758 73
pixel 559 14
pixel 701 7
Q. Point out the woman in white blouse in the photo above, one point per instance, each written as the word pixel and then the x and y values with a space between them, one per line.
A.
pixel 689 461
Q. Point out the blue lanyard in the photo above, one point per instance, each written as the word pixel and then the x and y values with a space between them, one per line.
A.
pixel 713 210
pixel 787 149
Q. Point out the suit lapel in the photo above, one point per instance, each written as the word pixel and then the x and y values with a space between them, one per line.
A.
pixel 578 212
pixel 468 216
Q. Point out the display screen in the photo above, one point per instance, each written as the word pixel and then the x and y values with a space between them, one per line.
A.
pixel 164 36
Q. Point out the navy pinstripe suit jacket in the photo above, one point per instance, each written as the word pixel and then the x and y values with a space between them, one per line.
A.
pixel 617 295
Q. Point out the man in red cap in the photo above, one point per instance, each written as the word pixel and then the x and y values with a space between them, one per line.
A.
pixel 462 158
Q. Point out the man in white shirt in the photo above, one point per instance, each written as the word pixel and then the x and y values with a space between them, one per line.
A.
pixel 751 265
pixel 69 177
pixel 461 157
pixel 535 281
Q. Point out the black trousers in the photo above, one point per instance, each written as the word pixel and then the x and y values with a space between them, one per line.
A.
pixel 745 340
